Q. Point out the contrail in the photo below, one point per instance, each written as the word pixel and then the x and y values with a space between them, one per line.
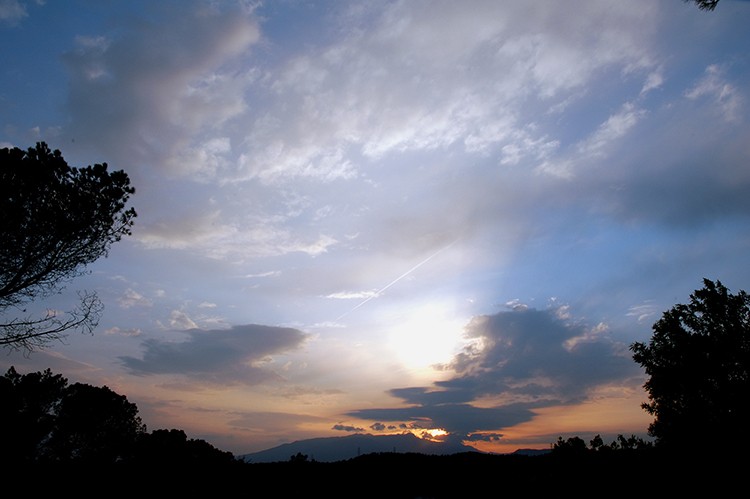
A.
pixel 381 290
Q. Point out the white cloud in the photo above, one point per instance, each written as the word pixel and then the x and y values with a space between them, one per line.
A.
pixel 132 298
pixel 180 320
pixel 654 80
pixel 643 312
pixel 715 85
pixel 405 81
pixel 123 332
pixel 356 295
pixel 616 126
pixel 185 231
pixel 213 235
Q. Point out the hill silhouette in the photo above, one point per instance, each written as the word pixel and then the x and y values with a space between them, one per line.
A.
pixel 332 449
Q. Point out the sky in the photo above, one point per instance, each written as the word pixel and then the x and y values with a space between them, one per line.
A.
pixel 447 218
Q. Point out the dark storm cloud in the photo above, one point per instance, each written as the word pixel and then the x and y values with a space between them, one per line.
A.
pixel 217 355
pixel 525 357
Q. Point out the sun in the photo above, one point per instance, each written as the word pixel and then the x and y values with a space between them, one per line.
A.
pixel 435 433
pixel 426 336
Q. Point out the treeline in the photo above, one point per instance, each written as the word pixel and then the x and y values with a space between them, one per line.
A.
pixel 44 420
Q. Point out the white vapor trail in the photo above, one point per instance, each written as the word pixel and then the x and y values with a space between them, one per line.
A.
pixel 384 288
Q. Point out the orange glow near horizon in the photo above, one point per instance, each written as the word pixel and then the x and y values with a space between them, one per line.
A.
pixel 602 414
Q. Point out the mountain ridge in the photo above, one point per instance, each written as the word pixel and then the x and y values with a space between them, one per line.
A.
pixel 331 449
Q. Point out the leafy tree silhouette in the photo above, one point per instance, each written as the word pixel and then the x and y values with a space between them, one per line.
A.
pixel 95 425
pixel 28 405
pixel 705 4
pixel 56 219
pixel 172 446
pixel 698 363
pixel 44 420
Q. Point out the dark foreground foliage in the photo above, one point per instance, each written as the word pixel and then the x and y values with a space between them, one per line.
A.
pixel 395 475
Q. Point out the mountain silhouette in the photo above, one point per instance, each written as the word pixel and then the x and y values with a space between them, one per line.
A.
pixel 332 449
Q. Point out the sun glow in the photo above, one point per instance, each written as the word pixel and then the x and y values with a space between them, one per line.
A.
pixel 426 336
pixel 436 433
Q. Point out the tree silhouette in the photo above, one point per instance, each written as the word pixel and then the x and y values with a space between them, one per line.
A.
pixel 577 446
pixel 43 419
pixel 705 4
pixel 28 404
pixel 56 219
pixel 569 446
pixel 94 425
pixel 698 362
pixel 173 447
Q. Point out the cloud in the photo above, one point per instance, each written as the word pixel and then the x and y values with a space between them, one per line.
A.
pixel 213 234
pixel 653 81
pixel 330 121
pixel 527 356
pixel 276 421
pixel 123 332
pixel 163 79
pixel 235 355
pixel 723 94
pixel 643 312
pixel 132 298
pixel 466 82
pixel 352 295
pixel 457 419
pixel 12 11
pixel 520 360
pixel 341 427
pixel 181 321
pixel 615 127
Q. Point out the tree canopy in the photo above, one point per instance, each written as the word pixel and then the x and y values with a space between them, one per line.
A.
pixel 698 363
pixel 56 220
pixel 45 420
pixel 708 5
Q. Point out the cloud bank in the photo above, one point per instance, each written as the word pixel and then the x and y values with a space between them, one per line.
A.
pixel 520 360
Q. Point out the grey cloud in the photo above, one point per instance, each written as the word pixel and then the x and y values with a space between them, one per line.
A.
pixel 528 358
pixel 460 419
pixel 161 79
pixel 669 181
pixel 341 427
pixel 218 355
pixel 536 355
pixel 276 421
pixel 484 437
pixel 12 11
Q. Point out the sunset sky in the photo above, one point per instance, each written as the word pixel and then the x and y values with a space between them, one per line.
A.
pixel 450 218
